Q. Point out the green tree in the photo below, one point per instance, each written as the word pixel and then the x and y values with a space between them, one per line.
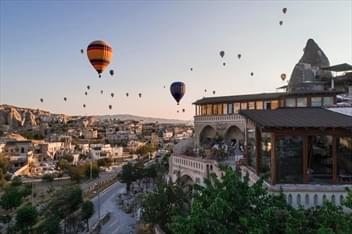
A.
pixel 26 217
pixel 16 181
pixel 127 175
pixel 51 225
pixel 87 212
pixel 12 198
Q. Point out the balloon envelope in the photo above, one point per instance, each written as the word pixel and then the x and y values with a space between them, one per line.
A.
pixel 177 90
pixel 284 10
pixel 222 53
pixel 99 54
pixel 283 76
pixel 239 56
pixel 281 22
pixel 111 72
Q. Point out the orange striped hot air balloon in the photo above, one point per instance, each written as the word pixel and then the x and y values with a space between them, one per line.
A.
pixel 99 54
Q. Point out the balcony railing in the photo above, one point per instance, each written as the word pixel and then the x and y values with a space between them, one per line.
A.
pixel 210 118
pixel 303 195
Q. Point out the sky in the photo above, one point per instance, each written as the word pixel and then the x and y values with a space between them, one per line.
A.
pixel 155 43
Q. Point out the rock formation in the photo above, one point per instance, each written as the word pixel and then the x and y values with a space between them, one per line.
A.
pixel 307 75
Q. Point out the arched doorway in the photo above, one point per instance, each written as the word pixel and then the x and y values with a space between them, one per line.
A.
pixel 207 136
pixel 234 138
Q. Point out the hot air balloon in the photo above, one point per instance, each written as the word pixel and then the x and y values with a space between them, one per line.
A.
pixel 191 68
pixel 205 90
pixel 213 92
pixel 252 73
pixel 224 64
pixel 127 94
pixel 178 111
pixel 112 95
pixel 111 72
pixel 177 90
pixel 183 110
pixel 88 87
pixel 284 10
pixel 99 54
pixel 84 105
pixel 85 93
pixel 82 51
pixel 239 56
pixel 41 100
pixel 65 99
pixel 164 86
pixel 222 53
pixel 101 91
pixel 110 106
pixel 140 95
pixel 283 76
pixel 281 22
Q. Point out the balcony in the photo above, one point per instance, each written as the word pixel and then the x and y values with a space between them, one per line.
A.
pixel 218 118
pixel 303 195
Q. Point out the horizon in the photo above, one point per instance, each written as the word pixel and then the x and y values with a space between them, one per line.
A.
pixel 154 44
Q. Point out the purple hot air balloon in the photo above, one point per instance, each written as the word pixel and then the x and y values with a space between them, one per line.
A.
pixel 177 90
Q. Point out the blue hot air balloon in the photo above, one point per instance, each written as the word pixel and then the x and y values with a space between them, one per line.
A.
pixel 177 90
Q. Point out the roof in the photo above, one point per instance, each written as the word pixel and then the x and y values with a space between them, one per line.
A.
pixel 339 67
pixel 239 98
pixel 298 118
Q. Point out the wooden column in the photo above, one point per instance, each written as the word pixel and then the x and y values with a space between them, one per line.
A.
pixel 258 145
pixel 273 160
pixel 305 158
pixel 334 159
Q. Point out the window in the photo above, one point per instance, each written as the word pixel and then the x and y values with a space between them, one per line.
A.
pixel 302 102
pixel 224 109
pixel 230 108
pixel 316 101
pixel 236 107
pixel 244 106
pixel 327 101
pixel 274 104
pixel 209 109
pixel 259 105
pixel 344 159
pixel 251 105
pixel 265 153
pixel 267 105
pixel 251 142
pixel 290 102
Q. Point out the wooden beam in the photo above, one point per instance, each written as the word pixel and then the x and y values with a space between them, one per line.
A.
pixel 334 159
pixel 273 166
pixel 305 158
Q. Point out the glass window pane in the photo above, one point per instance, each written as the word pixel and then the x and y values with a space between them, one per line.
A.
pixel 327 101
pixel 230 108
pixel 316 101
pixel 266 154
pixel 244 106
pixel 274 104
pixel 302 102
pixel 251 105
pixel 236 107
pixel 259 105
pixel 267 105
pixel 289 152
pixel 344 159
pixel 290 102
pixel 224 109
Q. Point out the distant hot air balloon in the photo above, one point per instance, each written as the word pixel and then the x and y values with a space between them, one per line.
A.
pixel 101 91
pixel 85 93
pixel 140 95
pixel 183 110
pixel 284 10
pixel 112 95
pixel 205 90
pixel 65 99
pixel 111 72
pixel 164 86
pixel 88 87
pixel 41 100
pixel 239 56
pixel 99 54
pixel 127 94
pixel 82 51
pixel 191 68
pixel 177 90
pixel 110 106
pixel 178 111
pixel 252 73
pixel 281 22
pixel 84 105
pixel 222 53
pixel 283 76
pixel 214 92
pixel 224 64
